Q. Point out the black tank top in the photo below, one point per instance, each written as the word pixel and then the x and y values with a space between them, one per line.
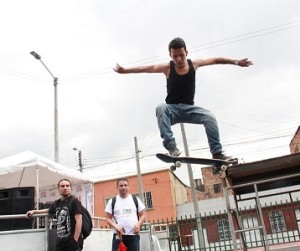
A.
pixel 181 88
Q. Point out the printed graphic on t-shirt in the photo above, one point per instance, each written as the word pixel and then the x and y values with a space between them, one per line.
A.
pixel 63 223
pixel 126 212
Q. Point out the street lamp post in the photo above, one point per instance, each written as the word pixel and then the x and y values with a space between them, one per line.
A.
pixel 80 163
pixel 55 82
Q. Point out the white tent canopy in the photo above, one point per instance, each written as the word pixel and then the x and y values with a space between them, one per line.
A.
pixel 30 169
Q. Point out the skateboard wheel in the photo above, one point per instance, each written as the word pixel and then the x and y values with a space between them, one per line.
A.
pixel 177 164
pixel 224 168
pixel 173 168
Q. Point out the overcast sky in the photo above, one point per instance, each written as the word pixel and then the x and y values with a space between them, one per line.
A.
pixel 100 111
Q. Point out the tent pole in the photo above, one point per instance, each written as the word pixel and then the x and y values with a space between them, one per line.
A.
pixel 37 195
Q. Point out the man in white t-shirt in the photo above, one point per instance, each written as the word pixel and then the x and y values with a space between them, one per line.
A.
pixel 126 217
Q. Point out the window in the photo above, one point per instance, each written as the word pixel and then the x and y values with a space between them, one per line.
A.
pixel 160 228
pixel 277 221
pixel 217 188
pixel 148 199
pixel 223 230
pixel 215 171
pixel 173 232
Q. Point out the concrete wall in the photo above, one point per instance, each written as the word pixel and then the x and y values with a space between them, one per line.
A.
pixel 36 240
pixel 23 240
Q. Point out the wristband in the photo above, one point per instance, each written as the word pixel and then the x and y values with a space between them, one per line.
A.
pixel 236 62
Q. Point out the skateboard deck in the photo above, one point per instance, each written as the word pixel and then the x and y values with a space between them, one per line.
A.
pixel 177 161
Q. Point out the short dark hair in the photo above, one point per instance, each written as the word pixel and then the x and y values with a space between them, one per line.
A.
pixel 64 180
pixel 122 179
pixel 177 43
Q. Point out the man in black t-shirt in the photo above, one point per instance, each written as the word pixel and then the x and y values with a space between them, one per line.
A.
pixel 179 107
pixel 69 218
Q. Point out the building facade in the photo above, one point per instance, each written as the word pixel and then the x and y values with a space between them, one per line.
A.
pixel 163 191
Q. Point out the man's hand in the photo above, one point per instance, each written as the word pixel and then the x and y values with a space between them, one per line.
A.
pixel 32 212
pixel 244 62
pixel 119 69
pixel 120 230
pixel 29 214
pixel 75 245
pixel 137 228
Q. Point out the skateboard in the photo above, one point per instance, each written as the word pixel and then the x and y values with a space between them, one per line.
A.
pixel 218 164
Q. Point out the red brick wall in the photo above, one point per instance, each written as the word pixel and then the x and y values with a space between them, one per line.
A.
pixel 295 142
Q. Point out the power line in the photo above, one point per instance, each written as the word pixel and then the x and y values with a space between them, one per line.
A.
pixel 21 75
pixel 202 47
pixel 94 164
pixel 205 46
pixel 249 35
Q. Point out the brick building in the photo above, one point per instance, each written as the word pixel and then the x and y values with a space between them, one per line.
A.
pixel 163 191
pixel 295 142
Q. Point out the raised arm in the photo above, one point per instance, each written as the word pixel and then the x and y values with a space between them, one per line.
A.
pixel 211 61
pixel 32 212
pixel 157 68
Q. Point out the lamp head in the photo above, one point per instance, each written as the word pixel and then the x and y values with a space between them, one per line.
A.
pixel 37 56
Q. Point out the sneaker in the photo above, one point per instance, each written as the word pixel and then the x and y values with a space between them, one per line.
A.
pixel 173 150
pixel 222 156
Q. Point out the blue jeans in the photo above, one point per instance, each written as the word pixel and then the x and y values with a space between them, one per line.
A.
pixel 132 242
pixel 171 114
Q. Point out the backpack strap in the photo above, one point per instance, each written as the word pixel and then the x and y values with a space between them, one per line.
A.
pixel 135 201
pixel 137 205
pixel 113 203
pixel 70 200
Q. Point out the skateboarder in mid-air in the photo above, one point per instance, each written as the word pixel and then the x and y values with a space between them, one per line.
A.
pixel 179 107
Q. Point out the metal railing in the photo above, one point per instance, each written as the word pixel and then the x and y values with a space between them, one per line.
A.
pixel 282 221
pixel 282 225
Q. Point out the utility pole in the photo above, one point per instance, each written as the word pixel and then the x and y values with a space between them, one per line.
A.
pixel 80 163
pixel 192 183
pixel 140 182
pixel 55 82
pixel 80 160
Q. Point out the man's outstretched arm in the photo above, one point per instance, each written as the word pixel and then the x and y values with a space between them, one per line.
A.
pixel 158 68
pixel 211 61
